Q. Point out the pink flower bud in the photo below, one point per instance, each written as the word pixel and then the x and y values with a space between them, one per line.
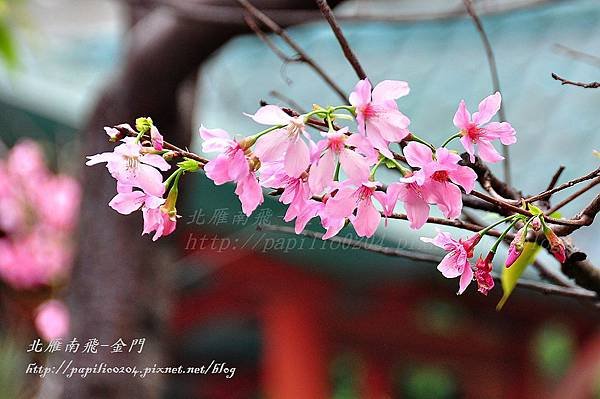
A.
pixel 516 247
pixel 52 320
pixel 483 273
pixel 557 247
pixel 535 224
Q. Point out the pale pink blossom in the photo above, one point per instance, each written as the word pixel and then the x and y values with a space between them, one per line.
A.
pixel 128 165
pixel 52 320
pixel 475 129
pixel 414 197
pixel 346 201
pixel 58 202
pixel 35 259
pixel 231 165
pixel 440 175
pixel 286 143
pixel 456 262
pixel 334 148
pixel 377 113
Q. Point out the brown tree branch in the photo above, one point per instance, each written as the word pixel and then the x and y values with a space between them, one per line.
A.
pixel 570 183
pixel 337 31
pixel 589 85
pixel 303 55
pixel 357 244
pixel 489 52
pixel 573 196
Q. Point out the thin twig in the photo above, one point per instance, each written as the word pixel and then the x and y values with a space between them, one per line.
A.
pixel 589 85
pixel 489 52
pixel 570 183
pixel 303 56
pixel 357 244
pixel 337 31
pixel 555 177
pixel 228 15
pixel 573 196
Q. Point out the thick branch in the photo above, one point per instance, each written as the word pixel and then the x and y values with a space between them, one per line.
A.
pixel 533 285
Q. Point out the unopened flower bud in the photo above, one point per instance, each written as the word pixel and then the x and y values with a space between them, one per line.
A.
pixel 535 224
pixel 483 276
pixel 557 247
pixel 516 247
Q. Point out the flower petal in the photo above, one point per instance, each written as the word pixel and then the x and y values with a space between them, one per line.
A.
pixel 390 90
pixel 487 152
pixel 418 155
pixel 462 117
pixel 270 115
pixel 488 107
pixel 297 158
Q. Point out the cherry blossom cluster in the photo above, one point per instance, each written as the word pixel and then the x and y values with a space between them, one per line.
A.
pixel 38 215
pixel 38 212
pixel 330 175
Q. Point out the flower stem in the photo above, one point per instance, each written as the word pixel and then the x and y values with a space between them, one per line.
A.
pixel 254 137
pixel 174 176
pixel 491 226
pixel 449 139
pixel 504 233
pixel 413 137
pixel 404 171
pixel 374 170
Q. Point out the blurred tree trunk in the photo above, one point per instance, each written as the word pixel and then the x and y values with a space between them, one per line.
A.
pixel 120 285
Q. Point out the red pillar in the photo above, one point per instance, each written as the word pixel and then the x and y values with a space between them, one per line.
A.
pixel 376 379
pixel 295 360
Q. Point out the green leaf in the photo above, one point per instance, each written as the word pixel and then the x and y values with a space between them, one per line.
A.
pixel 511 275
pixel 535 210
pixel 8 50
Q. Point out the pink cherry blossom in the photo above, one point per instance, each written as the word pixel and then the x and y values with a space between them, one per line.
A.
pixel 440 175
pixel 475 129
pixel 157 220
pixel 231 165
pixel 128 165
pixel 334 149
pixel 348 199
pixel 456 262
pixel 52 320
pixel 377 113
pixel 285 143
pixel 58 200
pixel 414 197
pixel 34 259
